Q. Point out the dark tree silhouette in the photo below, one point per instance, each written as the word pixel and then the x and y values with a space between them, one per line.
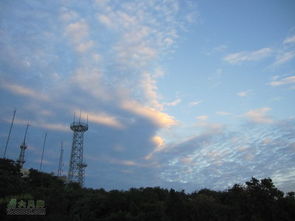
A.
pixel 254 200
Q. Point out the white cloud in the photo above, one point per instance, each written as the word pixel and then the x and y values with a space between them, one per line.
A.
pixel 286 80
pixel 90 80
pixel 243 93
pixel 259 115
pixel 173 103
pixel 195 103
pixel 202 117
pixel 244 56
pixel 104 119
pixel 211 128
pixel 24 91
pixel 217 49
pixel 223 113
pixel 51 126
pixel 104 19
pixel 159 118
pixel 45 125
pixel 78 31
pixel 149 87
pixel 122 162
pixel 289 40
pixel 159 143
pixel 101 2
pixel 83 47
pixel 145 30
pixel 68 15
pixel 285 57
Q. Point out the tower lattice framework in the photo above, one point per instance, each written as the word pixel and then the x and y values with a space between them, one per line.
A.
pixel 77 165
pixel 23 147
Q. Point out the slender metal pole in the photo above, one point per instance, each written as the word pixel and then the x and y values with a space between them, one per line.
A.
pixel 8 137
pixel 43 151
pixel 60 165
pixel 80 117
pixel 25 137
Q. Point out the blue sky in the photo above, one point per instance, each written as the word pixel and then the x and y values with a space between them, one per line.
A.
pixel 179 94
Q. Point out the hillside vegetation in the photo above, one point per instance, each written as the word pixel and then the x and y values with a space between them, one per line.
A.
pixel 255 200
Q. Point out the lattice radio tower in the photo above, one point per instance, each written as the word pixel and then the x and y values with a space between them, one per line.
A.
pixel 77 165
pixel 23 147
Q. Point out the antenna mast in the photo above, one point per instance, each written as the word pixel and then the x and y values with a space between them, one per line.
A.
pixel 8 137
pixel 59 172
pixel 43 151
pixel 23 147
pixel 77 165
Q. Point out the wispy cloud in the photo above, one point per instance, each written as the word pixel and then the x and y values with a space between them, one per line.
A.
pixel 51 126
pixel 202 117
pixel 195 103
pixel 289 40
pixel 223 113
pixel 150 91
pixel 104 119
pixel 245 56
pixel 244 93
pixel 173 103
pixel 78 30
pixel 23 91
pixel 283 81
pixel 42 124
pixel 218 49
pixel 284 57
pixel 159 118
pixel 159 143
pixel 143 34
pixel 259 115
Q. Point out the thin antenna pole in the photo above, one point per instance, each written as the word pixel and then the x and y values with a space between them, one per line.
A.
pixel 80 117
pixel 43 151
pixel 74 116
pixel 87 119
pixel 60 165
pixel 25 137
pixel 8 137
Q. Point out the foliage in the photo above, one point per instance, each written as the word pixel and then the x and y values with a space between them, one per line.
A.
pixel 255 200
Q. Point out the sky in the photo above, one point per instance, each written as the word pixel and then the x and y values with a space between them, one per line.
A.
pixel 183 94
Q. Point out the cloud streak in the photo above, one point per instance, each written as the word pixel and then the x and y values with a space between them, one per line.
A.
pixel 259 115
pixel 23 91
pixel 246 56
pixel 283 81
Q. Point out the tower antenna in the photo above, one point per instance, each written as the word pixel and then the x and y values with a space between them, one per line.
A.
pixel 43 151
pixel 77 165
pixel 23 147
pixel 8 137
pixel 80 117
pixel 60 165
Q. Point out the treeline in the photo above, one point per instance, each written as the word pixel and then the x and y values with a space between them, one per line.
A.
pixel 255 200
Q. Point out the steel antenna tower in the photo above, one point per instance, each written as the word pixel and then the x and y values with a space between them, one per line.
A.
pixel 41 162
pixel 77 165
pixel 60 165
pixel 23 147
pixel 8 137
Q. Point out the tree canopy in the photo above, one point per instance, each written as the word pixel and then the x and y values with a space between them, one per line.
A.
pixel 254 200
